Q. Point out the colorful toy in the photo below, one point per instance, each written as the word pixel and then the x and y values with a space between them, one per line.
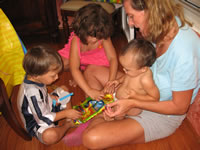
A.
pixel 90 108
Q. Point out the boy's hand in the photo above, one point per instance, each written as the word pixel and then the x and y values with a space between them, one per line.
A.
pixel 120 106
pixel 72 114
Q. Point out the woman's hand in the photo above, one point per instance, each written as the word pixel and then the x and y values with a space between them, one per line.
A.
pixel 120 107
pixel 107 118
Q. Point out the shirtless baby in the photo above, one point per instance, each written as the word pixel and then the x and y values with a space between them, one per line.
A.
pixel 137 83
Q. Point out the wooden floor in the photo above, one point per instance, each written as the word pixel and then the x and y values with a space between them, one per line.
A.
pixel 183 139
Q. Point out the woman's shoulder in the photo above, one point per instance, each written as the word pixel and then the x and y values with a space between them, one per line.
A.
pixel 187 35
pixel 186 40
pixel 183 48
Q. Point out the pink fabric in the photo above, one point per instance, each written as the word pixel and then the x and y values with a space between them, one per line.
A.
pixel 74 138
pixel 96 56
pixel 193 114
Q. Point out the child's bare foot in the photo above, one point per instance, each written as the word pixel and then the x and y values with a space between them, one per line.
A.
pixel 72 83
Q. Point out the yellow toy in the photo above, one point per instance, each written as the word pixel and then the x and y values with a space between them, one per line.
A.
pixel 11 54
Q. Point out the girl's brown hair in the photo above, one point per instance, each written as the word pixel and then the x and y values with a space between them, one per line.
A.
pixel 92 20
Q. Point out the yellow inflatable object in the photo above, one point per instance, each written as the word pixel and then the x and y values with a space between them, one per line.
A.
pixel 11 54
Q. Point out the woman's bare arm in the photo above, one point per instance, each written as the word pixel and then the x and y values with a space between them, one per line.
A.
pixel 177 106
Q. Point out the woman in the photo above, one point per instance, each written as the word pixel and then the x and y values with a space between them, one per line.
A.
pixel 176 73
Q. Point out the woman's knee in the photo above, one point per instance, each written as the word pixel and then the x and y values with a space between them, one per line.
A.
pixel 90 140
pixel 50 136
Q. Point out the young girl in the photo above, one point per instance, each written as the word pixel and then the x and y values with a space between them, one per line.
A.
pixel 90 45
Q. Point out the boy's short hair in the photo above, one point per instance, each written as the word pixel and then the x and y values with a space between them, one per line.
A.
pixel 92 20
pixel 41 59
pixel 144 52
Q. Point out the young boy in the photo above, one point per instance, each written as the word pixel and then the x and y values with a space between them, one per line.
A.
pixel 35 105
pixel 137 83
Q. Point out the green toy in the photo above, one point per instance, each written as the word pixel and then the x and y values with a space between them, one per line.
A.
pixel 90 108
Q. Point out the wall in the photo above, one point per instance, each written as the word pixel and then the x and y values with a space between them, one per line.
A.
pixel 192 13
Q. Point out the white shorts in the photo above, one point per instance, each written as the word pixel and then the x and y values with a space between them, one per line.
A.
pixel 114 97
pixel 157 126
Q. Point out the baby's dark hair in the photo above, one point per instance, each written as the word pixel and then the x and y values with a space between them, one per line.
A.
pixel 92 20
pixel 41 59
pixel 144 52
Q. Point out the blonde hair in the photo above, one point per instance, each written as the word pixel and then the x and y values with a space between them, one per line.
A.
pixel 161 15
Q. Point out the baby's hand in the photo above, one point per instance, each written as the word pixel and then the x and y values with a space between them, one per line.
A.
pixel 72 114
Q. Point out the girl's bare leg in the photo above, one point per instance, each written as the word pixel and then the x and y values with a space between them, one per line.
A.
pixel 97 76
pixel 101 134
